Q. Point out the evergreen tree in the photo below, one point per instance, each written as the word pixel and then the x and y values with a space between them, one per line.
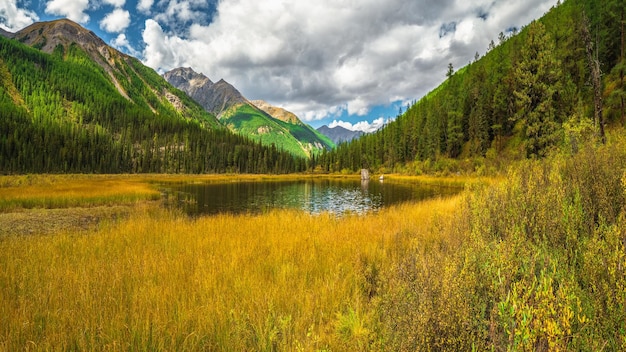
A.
pixel 538 82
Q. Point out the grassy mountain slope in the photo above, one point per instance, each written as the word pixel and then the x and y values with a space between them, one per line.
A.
pixel 311 139
pixel 298 139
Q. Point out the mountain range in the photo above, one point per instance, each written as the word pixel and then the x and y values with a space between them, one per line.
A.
pixel 339 134
pixel 264 123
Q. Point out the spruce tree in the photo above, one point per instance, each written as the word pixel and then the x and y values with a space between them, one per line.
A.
pixel 538 82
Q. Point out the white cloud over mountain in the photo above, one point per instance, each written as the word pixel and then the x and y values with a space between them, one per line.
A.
pixel 75 10
pixel 13 18
pixel 320 58
pixel 363 126
pixel 116 21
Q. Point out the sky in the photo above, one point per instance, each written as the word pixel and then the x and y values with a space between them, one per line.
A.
pixel 352 63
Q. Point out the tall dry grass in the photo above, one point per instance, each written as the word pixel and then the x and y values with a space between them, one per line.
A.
pixel 63 191
pixel 158 280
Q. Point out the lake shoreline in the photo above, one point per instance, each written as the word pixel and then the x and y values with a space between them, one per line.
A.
pixel 50 203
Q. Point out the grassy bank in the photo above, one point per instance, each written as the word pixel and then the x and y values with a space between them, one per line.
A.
pixel 541 264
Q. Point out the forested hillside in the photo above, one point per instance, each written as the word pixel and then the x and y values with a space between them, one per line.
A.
pixel 553 84
pixel 63 112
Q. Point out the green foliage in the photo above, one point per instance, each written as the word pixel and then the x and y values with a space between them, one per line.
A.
pixel 307 135
pixel 259 126
pixel 538 84
pixel 247 120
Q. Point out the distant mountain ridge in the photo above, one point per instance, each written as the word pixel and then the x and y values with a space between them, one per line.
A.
pixel 339 134
pixel 264 123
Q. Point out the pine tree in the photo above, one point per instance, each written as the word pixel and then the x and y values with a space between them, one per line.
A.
pixel 538 82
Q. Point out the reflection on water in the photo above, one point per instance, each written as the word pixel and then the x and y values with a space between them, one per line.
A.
pixel 314 196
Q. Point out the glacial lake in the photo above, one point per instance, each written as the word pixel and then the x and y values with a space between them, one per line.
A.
pixel 313 195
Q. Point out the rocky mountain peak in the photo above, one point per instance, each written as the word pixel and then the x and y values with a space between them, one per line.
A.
pixel 48 35
pixel 5 34
pixel 186 76
pixel 277 113
pixel 215 98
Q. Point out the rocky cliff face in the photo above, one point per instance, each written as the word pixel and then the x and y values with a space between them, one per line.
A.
pixel 215 98
pixel 46 36
pixel 5 33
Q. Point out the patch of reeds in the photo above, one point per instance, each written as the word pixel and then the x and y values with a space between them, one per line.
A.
pixel 64 191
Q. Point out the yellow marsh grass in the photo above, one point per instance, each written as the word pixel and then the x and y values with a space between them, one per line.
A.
pixel 284 280
pixel 62 191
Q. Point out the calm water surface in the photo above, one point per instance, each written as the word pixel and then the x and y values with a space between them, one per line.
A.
pixel 337 196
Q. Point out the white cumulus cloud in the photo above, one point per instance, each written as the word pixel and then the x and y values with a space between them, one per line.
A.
pixel 362 126
pixel 145 6
pixel 72 9
pixel 182 11
pixel 316 58
pixel 116 3
pixel 163 52
pixel 13 18
pixel 121 43
pixel 116 21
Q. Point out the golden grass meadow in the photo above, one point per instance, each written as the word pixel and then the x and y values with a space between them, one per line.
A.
pixel 157 280
pixel 534 260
